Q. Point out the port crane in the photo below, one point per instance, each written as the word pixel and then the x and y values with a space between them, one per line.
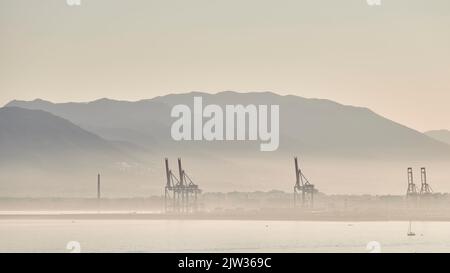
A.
pixel 412 189
pixel 425 189
pixel 181 193
pixel 303 190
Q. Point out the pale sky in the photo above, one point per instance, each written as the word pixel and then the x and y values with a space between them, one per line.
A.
pixel 394 59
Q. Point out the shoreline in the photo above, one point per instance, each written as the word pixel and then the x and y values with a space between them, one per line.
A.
pixel 303 217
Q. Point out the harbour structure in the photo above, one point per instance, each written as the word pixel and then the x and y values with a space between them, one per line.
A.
pixel 181 194
pixel 303 190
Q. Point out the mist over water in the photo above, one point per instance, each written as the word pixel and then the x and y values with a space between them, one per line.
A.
pixel 235 236
pixel 334 176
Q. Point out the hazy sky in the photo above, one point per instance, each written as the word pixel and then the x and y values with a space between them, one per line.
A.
pixel 394 59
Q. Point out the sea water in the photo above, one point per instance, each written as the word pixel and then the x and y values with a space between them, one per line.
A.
pixel 221 236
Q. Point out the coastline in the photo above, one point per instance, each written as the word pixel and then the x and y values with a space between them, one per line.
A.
pixel 305 217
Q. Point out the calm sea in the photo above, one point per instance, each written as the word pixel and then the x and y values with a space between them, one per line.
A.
pixel 221 236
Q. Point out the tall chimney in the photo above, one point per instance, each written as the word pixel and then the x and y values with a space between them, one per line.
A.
pixel 98 187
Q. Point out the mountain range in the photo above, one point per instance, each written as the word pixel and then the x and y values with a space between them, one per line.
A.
pixel 37 137
pixel 314 127
pixel 130 139
pixel 440 135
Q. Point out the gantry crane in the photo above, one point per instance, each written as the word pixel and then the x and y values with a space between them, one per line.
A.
pixel 303 190
pixel 180 193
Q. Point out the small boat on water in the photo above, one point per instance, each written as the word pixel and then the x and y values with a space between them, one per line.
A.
pixel 410 232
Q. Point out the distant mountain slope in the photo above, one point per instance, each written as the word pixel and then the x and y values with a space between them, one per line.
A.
pixel 38 137
pixel 307 126
pixel 440 135
pixel 45 155
pixel 142 122
pixel 323 127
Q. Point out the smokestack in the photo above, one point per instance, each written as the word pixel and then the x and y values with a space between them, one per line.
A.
pixel 297 178
pixel 98 187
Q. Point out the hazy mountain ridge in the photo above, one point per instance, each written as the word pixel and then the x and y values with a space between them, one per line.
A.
pixel 135 122
pixel 36 136
pixel 317 127
pixel 440 135
pixel 45 155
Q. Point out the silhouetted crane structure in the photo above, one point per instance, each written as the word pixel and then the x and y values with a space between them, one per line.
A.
pixel 303 190
pixel 180 193
pixel 412 189
pixel 425 189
